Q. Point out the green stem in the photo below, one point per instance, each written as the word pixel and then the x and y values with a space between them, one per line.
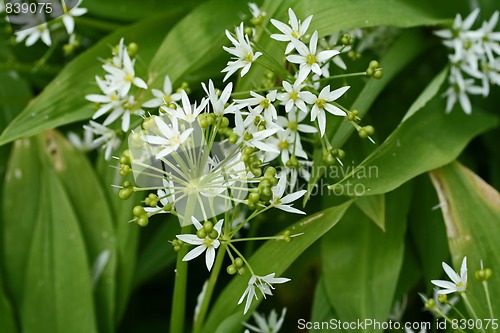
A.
pixel 341 76
pixel 488 301
pixel 177 318
pixel 219 260
pixel 470 309
pixel 178 314
pixel 255 239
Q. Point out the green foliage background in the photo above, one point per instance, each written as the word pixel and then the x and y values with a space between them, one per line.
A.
pixel 59 213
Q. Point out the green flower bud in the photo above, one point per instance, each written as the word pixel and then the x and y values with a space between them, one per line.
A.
pixel 266 194
pixel 369 71
pixel 138 211
pixel 142 220
pixel 270 172
pixel 224 122
pixel 374 64
pixel 430 304
pixel 249 31
pixel 264 183
pixel 208 226
pixel 483 274
pixel 369 130
pixel 257 172
pixel 253 197
pixel 293 162
pixel 201 233
pixel 213 234
pixel 125 193
pixel 124 170
pixel 233 138
pixel 231 270
pixel 238 262
pixel 328 159
pixel 132 49
pixel 378 74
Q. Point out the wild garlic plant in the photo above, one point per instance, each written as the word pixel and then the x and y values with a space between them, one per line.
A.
pixel 220 161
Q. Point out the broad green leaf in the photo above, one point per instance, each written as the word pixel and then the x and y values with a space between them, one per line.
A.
pixel 7 319
pixel 271 257
pixel 94 217
pixel 427 230
pixel 321 308
pixel 374 207
pixel 471 211
pixel 361 263
pixel 14 95
pixel 196 40
pixel 158 253
pixel 429 139
pixel 345 14
pixel 429 92
pixel 63 100
pixel 132 10
pixel 58 291
pixel 403 52
pixel 20 207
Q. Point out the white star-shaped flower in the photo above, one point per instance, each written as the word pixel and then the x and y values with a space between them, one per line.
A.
pixel 164 96
pixel 68 16
pixel 293 96
pixel 123 78
pixel 308 58
pixel 106 138
pixel 320 104
pixel 242 52
pixel 263 283
pixel 459 281
pixel 219 102
pixel 32 35
pixel 207 244
pixel 170 138
pixel 295 30
pixel 281 202
pixel 459 90
pixel 189 112
pixel 263 104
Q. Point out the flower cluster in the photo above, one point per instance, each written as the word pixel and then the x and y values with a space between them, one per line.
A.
pixel 36 28
pixel 116 100
pixel 230 153
pixel 475 59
